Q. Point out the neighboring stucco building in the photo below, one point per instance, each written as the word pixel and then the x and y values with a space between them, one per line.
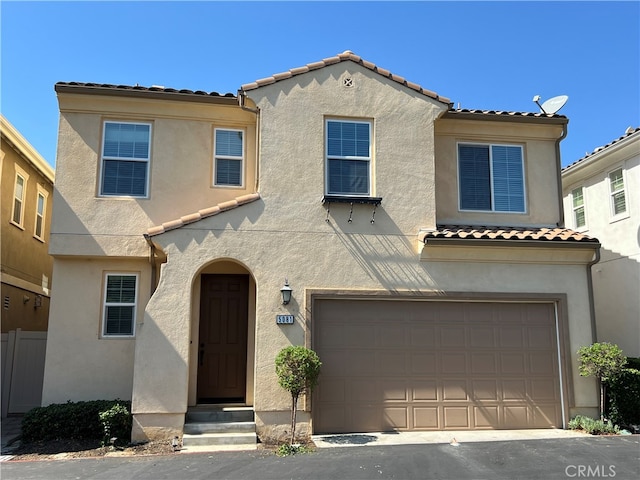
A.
pixel 424 245
pixel 25 267
pixel 602 198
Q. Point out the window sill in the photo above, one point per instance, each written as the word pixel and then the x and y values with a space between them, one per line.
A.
pixel 351 199
pixel 619 217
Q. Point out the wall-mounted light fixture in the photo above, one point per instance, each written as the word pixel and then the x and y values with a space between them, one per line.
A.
pixel 37 301
pixel 286 292
pixel 25 299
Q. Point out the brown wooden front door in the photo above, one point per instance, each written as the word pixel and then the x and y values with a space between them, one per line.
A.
pixel 222 352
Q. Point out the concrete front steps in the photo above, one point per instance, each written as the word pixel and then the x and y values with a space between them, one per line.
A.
pixel 211 428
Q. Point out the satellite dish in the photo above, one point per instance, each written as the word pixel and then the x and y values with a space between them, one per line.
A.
pixel 552 105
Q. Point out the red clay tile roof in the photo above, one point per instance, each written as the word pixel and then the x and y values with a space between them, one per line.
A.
pixel 342 57
pixel 505 233
pixel 138 89
pixel 199 215
pixel 473 112
pixel 630 131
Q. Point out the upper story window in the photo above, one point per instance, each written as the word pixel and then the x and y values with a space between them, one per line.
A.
pixel 348 150
pixel 617 192
pixel 19 193
pixel 41 206
pixel 491 178
pixel 120 300
pixel 18 200
pixel 577 199
pixel 125 159
pixel 228 157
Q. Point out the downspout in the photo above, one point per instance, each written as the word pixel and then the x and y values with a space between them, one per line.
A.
pixel 592 307
pixel 152 261
pixel 241 101
pixel 559 176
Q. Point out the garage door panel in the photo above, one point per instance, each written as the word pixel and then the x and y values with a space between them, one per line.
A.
pixel 435 365
pixel 423 363
pixel 422 337
pixel 454 390
pixel 425 418
pixel 483 363
pixel 486 417
pixel 512 363
pixel 391 363
pixel 424 389
pixel 456 417
pixel 454 363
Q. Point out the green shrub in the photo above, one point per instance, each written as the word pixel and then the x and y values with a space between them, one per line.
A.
pixel 623 397
pixel 75 420
pixel 287 449
pixel 593 427
pixel 116 423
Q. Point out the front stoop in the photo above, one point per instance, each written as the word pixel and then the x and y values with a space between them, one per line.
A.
pixel 216 427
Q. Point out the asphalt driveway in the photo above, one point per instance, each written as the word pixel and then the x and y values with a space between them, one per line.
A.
pixel 582 457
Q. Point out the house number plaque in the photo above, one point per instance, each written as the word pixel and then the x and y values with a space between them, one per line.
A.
pixel 284 319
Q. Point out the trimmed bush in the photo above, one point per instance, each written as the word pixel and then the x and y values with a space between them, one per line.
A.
pixel 593 427
pixel 77 420
pixel 623 397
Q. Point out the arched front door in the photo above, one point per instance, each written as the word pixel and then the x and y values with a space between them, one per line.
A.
pixel 222 344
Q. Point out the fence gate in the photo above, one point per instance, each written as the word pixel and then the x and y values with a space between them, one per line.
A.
pixel 23 355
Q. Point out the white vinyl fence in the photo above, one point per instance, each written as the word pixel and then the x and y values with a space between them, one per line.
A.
pixel 22 370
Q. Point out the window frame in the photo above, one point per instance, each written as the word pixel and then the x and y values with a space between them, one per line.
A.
pixel 489 146
pixel 368 159
pixel 40 215
pixel 106 305
pixel 575 209
pixel 19 173
pixel 104 157
pixel 241 159
pixel 612 210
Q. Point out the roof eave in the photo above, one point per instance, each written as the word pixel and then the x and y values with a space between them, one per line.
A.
pixel 159 94
pixel 511 243
pixel 511 117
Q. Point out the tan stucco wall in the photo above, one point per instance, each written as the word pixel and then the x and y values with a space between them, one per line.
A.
pixel 616 278
pixel 26 269
pixel 80 364
pixel 285 234
pixel 540 170
pixel 181 170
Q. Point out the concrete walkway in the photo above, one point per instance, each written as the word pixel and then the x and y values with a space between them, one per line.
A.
pixel 441 437
pixel 10 430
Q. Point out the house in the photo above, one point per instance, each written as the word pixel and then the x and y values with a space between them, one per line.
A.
pixel 25 268
pixel 601 199
pixel 423 245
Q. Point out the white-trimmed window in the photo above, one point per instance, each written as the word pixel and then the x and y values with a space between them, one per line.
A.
pixel 348 150
pixel 579 214
pixel 126 149
pixel 228 158
pixel 120 302
pixel 491 178
pixel 617 193
pixel 41 208
pixel 19 192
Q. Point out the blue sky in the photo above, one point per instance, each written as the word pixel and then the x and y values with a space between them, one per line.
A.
pixel 486 55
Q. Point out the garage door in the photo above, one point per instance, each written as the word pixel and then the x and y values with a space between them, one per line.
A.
pixel 423 365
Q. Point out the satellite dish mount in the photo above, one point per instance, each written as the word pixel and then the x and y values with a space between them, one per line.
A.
pixel 551 106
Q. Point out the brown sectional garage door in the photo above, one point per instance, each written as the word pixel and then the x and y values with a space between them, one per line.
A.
pixel 427 365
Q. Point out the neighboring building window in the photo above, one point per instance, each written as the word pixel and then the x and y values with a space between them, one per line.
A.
pixel 579 218
pixel 348 158
pixel 618 197
pixel 229 157
pixel 120 301
pixel 491 178
pixel 18 199
pixel 41 206
pixel 125 159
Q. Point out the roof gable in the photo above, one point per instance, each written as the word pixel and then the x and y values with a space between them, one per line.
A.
pixel 346 56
